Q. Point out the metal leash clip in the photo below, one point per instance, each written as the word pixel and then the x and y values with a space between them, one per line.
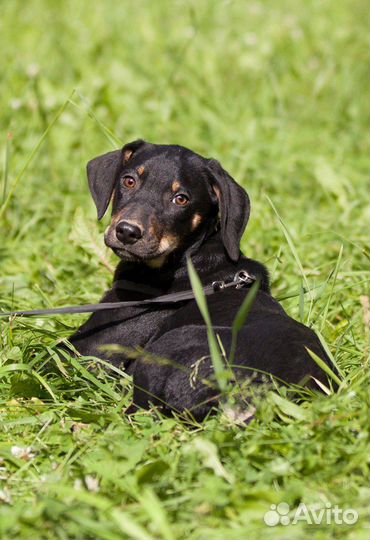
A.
pixel 243 279
pixel 218 285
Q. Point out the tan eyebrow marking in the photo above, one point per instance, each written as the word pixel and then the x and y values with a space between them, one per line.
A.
pixel 140 170
pixel 175 185
pixel 127 154
pixel 196 221
pixel 217 191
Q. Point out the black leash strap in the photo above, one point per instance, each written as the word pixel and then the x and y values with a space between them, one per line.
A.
pixel 241 279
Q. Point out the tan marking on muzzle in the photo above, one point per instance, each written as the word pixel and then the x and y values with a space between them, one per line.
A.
pixel 175 185
pixel 167 244
pixel 154 230
pixel 117 218
pixel 168 241
pixel 196 221
pixel 157 262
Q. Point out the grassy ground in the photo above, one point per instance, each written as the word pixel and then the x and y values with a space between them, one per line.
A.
pixel 276 91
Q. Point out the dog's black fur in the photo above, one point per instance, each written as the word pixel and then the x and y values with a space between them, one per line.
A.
pixel 170 203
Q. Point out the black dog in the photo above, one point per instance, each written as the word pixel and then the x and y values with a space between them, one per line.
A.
pixel 169 202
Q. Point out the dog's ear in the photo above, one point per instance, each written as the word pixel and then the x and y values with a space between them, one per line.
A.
pixel 103 172
pixel 234 207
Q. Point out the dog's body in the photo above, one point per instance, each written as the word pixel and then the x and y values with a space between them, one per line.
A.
pixel 166 201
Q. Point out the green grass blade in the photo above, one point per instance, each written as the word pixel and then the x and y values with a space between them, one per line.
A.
pixel 112 138
pixel 301 304
pixel 106 388
pixel 335 275
pixel 6 165
pixel 293 249
pixel 153 507
pixel 45 384
pixel 329 353
pixel 241 317
pixel 129 526
pixel 288 407
pixel 324 366
pixel 8 368
pixel 216 357
pixel 32 155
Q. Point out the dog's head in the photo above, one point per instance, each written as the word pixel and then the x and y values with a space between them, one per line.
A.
pixel 164 199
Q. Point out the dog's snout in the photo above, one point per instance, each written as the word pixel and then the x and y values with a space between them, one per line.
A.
pixel 128 233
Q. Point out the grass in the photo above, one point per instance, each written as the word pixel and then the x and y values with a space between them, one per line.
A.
pixel 276 91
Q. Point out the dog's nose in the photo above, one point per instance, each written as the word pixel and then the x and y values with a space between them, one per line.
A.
pixel 128 233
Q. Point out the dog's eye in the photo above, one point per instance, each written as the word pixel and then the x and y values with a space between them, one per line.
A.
pixel 129 182
pixel 180 199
